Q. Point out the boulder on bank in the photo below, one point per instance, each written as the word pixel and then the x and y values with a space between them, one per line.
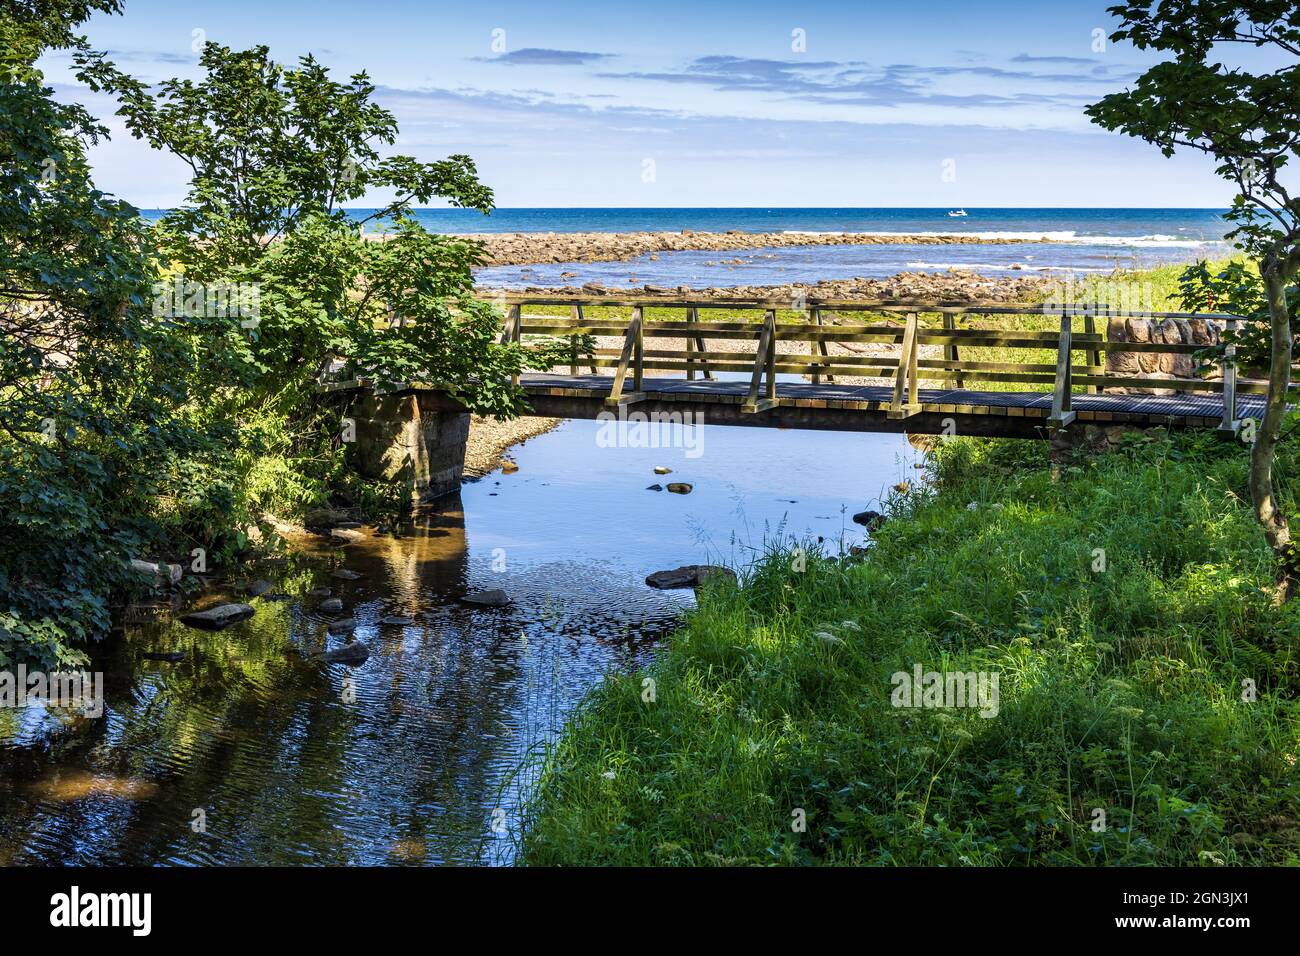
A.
pixel 219 617
pixel 165 573
pixel 871 520
pixel 493 598
pixel 322 519
pixel 687 576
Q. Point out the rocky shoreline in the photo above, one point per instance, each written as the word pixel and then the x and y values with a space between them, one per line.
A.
pixel 524 248
pixel 953 285
pixel 489 439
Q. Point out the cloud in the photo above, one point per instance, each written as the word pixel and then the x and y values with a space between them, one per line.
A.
pixel 1077 60
pixel 135 56
pixel 537 56
pixel 863 84
pixel 524 115
pixel 539 151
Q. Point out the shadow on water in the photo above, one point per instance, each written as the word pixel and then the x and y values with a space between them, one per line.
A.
pixel 284 759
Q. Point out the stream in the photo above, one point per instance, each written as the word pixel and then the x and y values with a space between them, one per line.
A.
pixel 253 751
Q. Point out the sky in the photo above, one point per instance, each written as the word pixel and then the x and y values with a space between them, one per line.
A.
pixel 677 103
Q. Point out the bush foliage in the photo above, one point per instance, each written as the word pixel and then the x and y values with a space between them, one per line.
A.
pixel 145 408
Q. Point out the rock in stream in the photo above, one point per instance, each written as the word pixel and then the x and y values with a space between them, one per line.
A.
pixel 687 576
pixel 217 618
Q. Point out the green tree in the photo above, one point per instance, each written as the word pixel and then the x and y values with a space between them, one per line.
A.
pixel 89 382
pixel 1248 120
pixel 275 156
pixel 1236 289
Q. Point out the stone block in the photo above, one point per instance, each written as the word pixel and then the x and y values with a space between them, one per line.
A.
pixel 411 438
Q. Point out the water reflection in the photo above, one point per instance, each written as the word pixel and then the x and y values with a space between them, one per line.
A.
pixel 285 759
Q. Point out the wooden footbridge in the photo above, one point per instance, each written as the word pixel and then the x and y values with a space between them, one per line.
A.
pixel 747 381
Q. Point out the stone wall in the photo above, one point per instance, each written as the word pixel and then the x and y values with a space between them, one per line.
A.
pixel 415 438
pixel 1155 365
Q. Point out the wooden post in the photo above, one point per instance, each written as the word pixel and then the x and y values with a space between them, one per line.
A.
pixel 639 368
pixel 513 321
pixel 1231 423
pixel 812 351
pixel 574 314
pixel 507 330
pixel 1062 414
pixel 1095 357
pixel 700 346
pixel 764 361
pixel 824 348
pixel 631 341
pixel 950 351
pixel 913 380
pixel 905 377
pixel 771 357
pixel 691 317
pixel 819 348
pixel 591 356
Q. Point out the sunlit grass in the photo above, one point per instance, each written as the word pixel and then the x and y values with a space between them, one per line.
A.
pixel 1121 689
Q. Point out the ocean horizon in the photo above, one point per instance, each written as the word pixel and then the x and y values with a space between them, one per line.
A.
pixel 1138 225
pixel 1054 241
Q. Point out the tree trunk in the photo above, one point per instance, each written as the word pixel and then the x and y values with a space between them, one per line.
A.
pixel 1270 517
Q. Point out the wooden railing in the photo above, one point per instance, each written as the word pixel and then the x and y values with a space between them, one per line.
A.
pixel 824 325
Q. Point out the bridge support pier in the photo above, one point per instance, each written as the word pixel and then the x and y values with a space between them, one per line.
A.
pixel 416 438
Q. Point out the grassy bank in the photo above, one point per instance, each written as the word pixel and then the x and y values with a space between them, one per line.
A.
pixel 1120 687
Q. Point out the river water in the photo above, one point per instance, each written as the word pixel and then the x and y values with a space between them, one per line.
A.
pixel 250 751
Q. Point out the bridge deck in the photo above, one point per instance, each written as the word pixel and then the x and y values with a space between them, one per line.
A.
pixel 865 407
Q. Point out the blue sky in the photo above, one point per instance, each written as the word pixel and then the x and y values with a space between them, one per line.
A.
pixel 932 103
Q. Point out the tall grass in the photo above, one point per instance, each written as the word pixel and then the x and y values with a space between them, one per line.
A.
pixel 1147 687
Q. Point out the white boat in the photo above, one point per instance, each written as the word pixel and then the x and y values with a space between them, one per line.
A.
pixel 956 212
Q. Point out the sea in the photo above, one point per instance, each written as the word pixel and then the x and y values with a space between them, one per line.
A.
pixel 1061 242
